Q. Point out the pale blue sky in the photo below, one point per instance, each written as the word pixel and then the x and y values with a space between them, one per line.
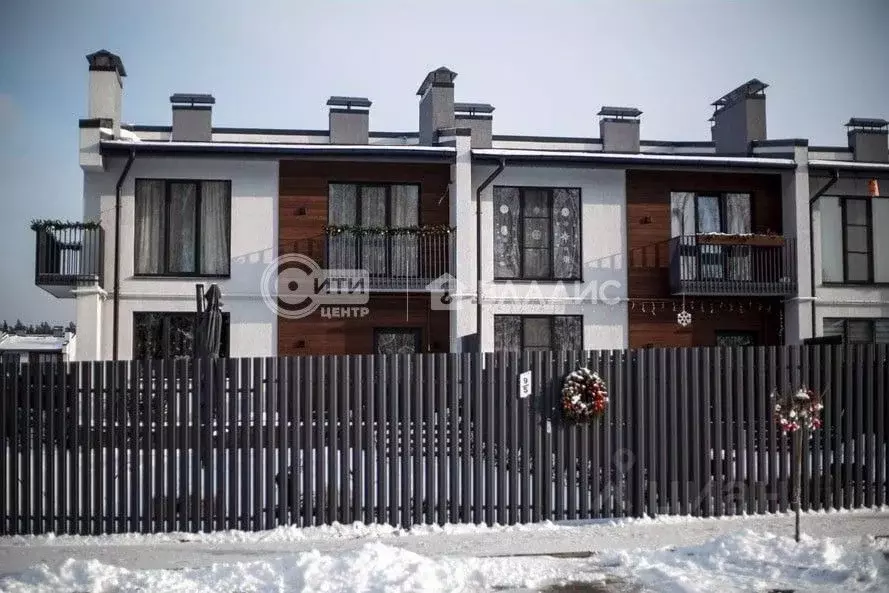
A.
pixel 547 66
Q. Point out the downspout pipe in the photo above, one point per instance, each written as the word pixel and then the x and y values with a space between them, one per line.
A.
pixel 116 316
pixel 478 248
pixel 833 179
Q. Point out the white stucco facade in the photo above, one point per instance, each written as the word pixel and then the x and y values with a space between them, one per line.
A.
pixel 601 295
pixel 254 211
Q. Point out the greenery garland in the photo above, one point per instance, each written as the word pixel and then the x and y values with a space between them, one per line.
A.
pixel 584 396
pixel 50 224
pixel 355 230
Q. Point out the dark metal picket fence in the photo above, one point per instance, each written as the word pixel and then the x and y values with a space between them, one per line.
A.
pixel 100 447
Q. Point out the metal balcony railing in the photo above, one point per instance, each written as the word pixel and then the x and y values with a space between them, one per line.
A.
pixel 399 259
pixel 733 265
pixel 68 255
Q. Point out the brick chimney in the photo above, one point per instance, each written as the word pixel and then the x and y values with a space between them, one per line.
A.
pixel 739 118
pixel 619 129
pixel 192 117
pixel 436 103
pixel 479 118
pixel 869 139
pixel 349 119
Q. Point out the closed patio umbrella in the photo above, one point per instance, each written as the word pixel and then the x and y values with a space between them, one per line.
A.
pixel 208 332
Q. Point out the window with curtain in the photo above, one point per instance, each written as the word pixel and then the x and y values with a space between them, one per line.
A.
pixel 536 233
pixel 182 227
pixel 169 335
pixel 397 340
pixel 538 332
pixel 393 206
pixel 858 331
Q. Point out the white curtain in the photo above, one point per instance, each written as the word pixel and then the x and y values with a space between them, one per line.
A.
pixel 373 215
pixel 149 226
pixel 404 213
pixel 737 217
pixel 183 205
pixel 215 221
pixel 342 248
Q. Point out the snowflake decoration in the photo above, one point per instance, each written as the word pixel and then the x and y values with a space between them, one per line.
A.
pixel 683 318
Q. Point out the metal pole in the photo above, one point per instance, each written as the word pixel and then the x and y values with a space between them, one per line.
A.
pixel 797 475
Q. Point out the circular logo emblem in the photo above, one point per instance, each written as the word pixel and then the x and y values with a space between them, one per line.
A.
pixel 288 286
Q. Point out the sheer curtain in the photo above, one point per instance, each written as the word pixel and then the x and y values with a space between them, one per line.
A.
pixel 183 208
pixel 566 233
pixel 373 215
pixel 149 226
pixel 682 225
pixel 404 213
pixel 506 232
pixel 737 220
pixel 342 210
pixel 215 220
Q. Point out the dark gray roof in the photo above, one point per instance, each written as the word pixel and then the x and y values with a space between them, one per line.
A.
pixel 867 122
pixel 192 98
pixel 105 60
pixel 607 111
pixel 337 101
pixel 473 108
pixel 750 88
pixel 440 75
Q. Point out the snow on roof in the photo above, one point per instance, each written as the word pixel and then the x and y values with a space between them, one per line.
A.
pixel 281 147
pixel 33 343
pixel 634 158
pixel 825 164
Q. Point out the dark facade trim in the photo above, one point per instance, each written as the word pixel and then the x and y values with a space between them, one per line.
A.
pixel 637 160
pixel 96 122
pixel 321 151
pixel 787 142
pixel 192 108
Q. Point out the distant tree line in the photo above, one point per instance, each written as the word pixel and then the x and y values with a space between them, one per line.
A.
pixel 43 327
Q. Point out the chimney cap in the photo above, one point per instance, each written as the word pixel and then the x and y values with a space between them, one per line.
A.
pixel 752 88
pixel 472 108
pixel 348 102
pixel 439 77
pixel 620 112
pixel 192 98
pixel 867 123
pixel 104 60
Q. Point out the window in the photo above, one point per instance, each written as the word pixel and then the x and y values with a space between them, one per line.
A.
pixel 183 227
pixel 857 241
pixel 536 233
pixel 538 332
pixel 374 206
pixel 735 338
pixel 169 335
pixel 397 340
pixel 858 331
pixel 711 212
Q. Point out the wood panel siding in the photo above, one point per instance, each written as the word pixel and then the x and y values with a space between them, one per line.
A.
pixel 302 214
pixel 648 276
pixel 316 334
pixel 653 323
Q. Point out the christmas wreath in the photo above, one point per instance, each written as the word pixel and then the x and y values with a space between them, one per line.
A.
pixel 584 395
pixel 796 410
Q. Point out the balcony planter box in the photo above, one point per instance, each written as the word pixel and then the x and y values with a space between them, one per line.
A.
pixel 754 240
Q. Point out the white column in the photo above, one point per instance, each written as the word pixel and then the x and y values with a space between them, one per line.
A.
pixel 463 218
pixel 88 305
pixel 797 223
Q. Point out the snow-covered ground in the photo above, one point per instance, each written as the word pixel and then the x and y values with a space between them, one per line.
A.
pixel 841 551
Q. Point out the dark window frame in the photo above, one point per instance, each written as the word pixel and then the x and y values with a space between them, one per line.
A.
pixel 845 321
pixel 869 228
pixel 552 322
pixel 416 331
pixel 224 350
pixel 197 231
pixel 722 195
pixel 550 191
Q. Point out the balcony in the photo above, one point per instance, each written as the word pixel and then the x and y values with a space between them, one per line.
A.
pixel 395 259
pixel 68 255
pixel 733 265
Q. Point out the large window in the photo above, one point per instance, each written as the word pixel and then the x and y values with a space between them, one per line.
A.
pixel 169 335
pixel 857 241
pixel 183 227
pixel 538 332
pixel 858 331
pixel 374 207
pixel 536 233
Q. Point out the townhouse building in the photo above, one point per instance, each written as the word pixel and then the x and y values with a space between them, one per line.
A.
pixel 452 238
